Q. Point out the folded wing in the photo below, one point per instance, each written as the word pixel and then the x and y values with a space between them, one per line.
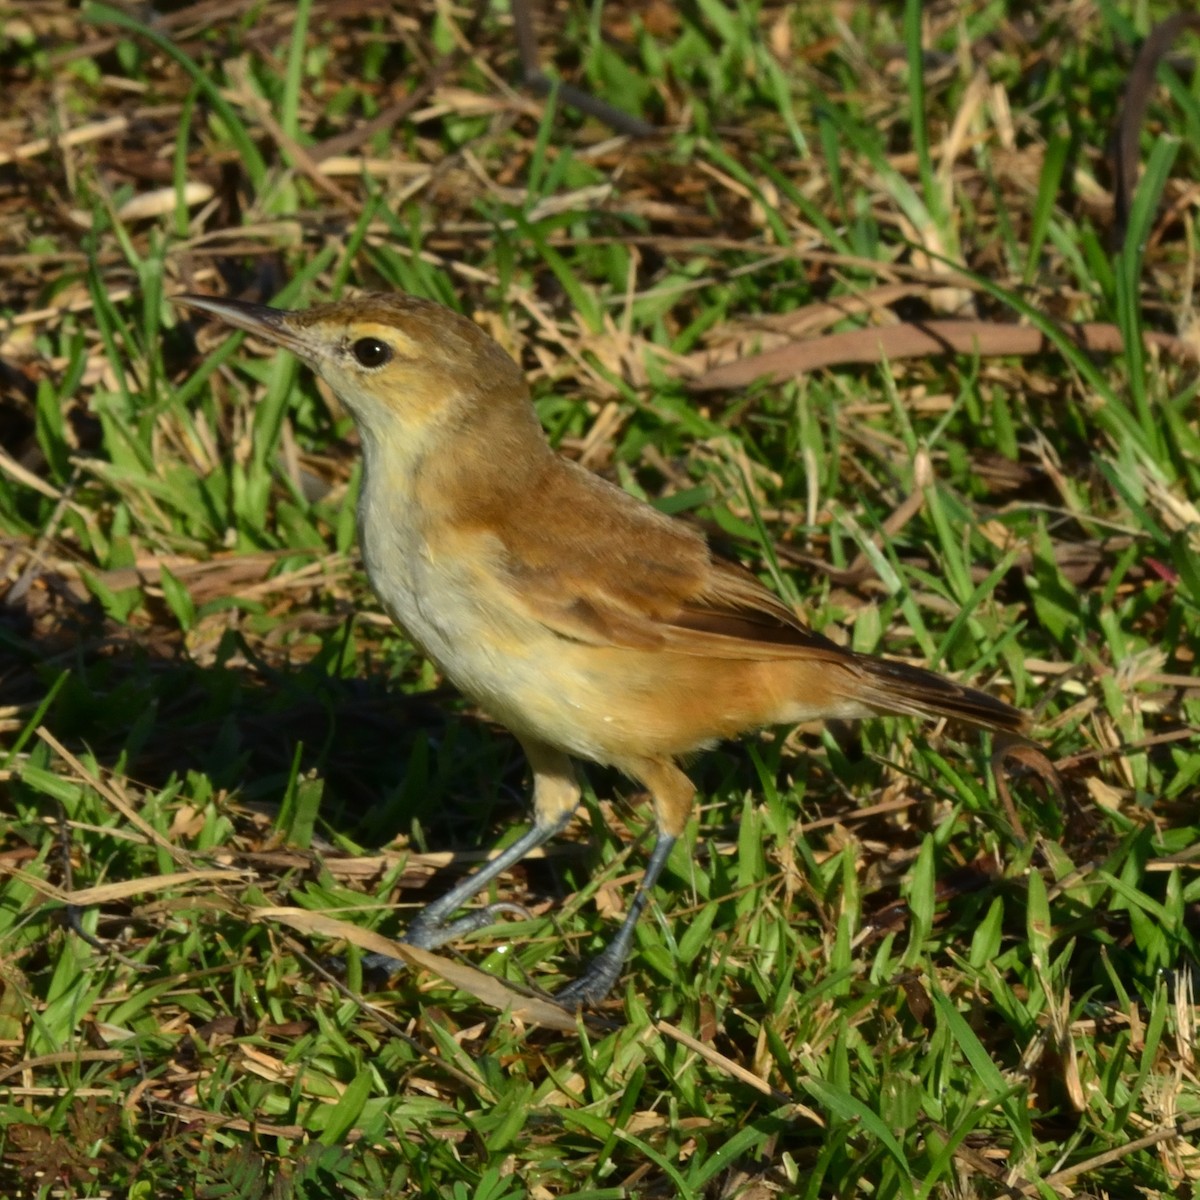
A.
pixel 616 572
pixel 611 571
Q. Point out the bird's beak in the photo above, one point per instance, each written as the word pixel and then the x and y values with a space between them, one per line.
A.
pixel 271 324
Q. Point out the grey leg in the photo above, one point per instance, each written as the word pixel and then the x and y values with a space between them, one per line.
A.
pixel 601 974
pixel 430 929
pixel 673 793
pixel 555 796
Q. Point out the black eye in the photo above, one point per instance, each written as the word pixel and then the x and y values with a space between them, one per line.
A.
pixel 371 352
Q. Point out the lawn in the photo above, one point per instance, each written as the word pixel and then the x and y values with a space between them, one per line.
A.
pixel 870 303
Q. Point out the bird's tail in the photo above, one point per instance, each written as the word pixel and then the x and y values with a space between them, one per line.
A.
pixel 895 687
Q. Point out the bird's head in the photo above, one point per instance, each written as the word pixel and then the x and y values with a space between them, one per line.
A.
pixel 405 368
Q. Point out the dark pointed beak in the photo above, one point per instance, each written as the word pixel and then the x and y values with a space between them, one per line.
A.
pixel 271 324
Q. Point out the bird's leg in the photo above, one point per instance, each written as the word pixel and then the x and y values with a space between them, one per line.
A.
pixel 430 928
pixel 672 791
pixel 601 974
pixel 555 797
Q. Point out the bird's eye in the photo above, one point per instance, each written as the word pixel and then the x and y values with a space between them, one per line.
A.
pixel 371 352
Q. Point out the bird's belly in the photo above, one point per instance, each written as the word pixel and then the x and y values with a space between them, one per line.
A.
pixel 578 698
pixel 508 663
pixel 605 703
pixel 610 704
pixel 619 705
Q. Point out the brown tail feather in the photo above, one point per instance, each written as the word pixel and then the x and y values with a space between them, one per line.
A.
pixel 899 688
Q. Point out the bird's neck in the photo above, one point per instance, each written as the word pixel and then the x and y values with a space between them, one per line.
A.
pixel 475 464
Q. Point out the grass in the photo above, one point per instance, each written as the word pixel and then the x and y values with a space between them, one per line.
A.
pixel 885 962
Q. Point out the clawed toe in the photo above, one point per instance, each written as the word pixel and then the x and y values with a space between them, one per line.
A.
pixel 429 935
pixel 590 989
pixel 381 967
pixel 574 996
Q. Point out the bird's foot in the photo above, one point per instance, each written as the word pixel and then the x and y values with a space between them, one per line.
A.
pixel 592 987
pixel 427 934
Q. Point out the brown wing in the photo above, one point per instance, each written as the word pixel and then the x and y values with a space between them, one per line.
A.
pixel 611 570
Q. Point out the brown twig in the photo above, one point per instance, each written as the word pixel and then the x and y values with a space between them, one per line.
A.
pixel 1133 114
pixel 542 85
pixel 918 340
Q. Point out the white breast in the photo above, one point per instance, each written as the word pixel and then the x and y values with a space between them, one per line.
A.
pixel 452 607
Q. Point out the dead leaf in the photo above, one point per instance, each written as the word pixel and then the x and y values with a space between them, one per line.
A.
pixel 495 993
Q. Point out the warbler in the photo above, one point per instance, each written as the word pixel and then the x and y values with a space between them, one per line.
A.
pixel 589 623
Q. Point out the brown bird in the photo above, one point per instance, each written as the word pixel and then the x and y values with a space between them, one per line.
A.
pixel 589 623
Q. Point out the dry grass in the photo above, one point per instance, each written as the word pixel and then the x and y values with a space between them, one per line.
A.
pixel 890 964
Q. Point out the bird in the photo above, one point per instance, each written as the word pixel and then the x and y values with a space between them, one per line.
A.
pixel 589 623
